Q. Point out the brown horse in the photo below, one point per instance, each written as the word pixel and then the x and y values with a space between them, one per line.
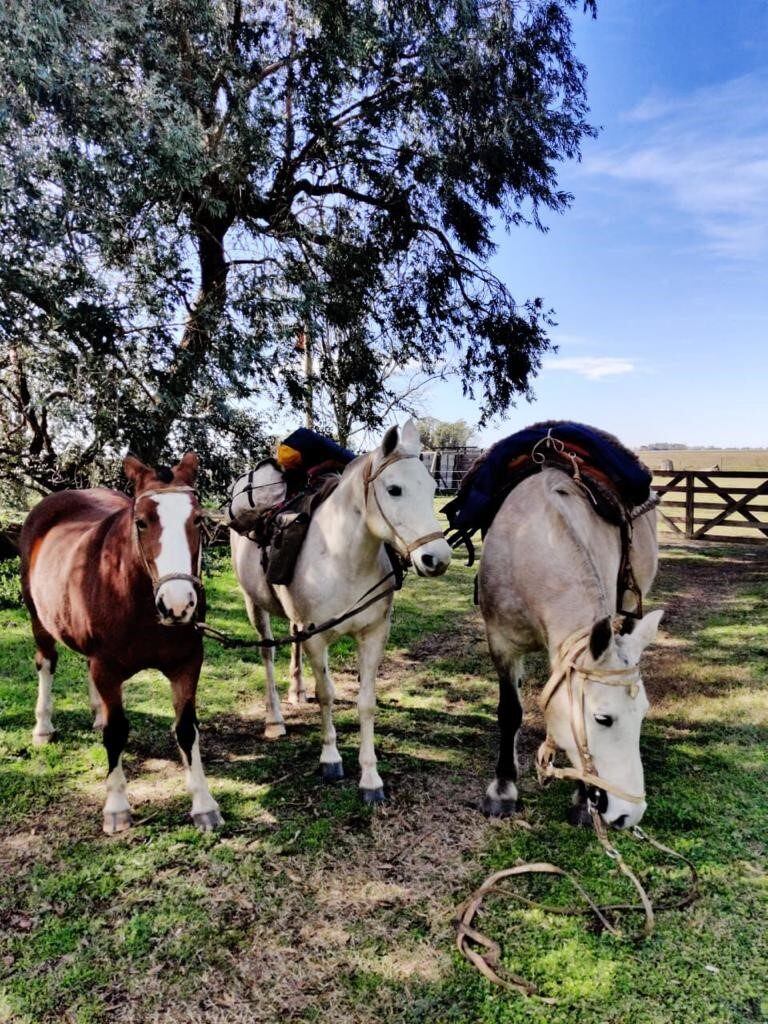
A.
pixel 117 579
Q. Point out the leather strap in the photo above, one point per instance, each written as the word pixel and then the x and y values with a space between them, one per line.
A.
pixel 568 671
pixel 369 477
pixel 151 571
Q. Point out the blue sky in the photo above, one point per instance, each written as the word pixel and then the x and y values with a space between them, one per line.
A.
pixel 658 274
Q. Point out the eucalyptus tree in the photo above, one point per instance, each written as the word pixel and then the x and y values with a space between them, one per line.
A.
pixel 185 183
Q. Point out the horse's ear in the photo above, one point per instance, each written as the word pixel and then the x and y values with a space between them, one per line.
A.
pixel 410 440
pixel 135 471
pixel 187 468
pixel 600 638
pixel 643 634
pixel 390 441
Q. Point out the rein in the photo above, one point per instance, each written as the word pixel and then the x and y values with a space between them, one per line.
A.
pixel 300 635
pixel 568 672
pixel 468 938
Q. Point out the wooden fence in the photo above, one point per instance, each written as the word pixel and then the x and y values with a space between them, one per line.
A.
pixel 696 504
pixel 717 505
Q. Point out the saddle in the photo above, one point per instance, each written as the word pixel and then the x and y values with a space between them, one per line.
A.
pixel 306 471
pixel 617 482
pixel 280 532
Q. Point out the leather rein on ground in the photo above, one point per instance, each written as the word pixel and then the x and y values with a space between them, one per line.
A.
pixel 568 671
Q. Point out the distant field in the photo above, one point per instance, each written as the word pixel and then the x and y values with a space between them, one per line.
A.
pixel 705 458
pixel 708 503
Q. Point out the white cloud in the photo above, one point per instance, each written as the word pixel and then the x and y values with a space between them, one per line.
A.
pixel 591 367
pixel 707 154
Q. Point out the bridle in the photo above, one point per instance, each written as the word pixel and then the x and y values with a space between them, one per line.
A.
pixel 570 672
pixel 405 548
pixel 158 581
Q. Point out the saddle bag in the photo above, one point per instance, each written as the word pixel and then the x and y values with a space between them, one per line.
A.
pixel 289 531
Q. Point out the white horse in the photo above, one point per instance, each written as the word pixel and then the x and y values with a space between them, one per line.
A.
pixel 253 494
pixel 548 579
pixel 383 497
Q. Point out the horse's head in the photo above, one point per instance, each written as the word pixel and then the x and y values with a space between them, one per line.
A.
pixel 597 719
pixel 400 501
pixel 167 519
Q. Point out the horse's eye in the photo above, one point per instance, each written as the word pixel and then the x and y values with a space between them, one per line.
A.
pixel 395 491
pixel 141 524
pixel 606 720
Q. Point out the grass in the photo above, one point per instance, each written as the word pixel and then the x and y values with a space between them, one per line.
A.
pixel 309 905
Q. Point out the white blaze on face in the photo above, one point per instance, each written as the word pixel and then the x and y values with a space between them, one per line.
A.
pixel 174 556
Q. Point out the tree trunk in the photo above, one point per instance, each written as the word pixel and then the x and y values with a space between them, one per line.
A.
pixel 149 438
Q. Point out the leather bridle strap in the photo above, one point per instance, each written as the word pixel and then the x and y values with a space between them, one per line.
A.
pixel 369 477
pixel 151 571
pixel 468 938
pixel 569 671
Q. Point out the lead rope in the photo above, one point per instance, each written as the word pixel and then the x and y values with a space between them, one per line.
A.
pixel 567 671
pixel 488 961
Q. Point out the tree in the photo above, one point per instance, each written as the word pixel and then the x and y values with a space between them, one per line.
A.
pixel 439 434
pixel 186 183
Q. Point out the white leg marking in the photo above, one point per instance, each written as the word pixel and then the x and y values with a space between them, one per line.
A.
pixel 44 708
pixel 197 784
pixel 117 810
pixel 506 791
pixel 274 725
pixel 370 650
pixel 116 797
pixel 97 705
pixel 325 696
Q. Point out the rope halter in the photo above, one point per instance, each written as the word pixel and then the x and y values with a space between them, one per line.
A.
pixel 405 548
pixel 569 671
pixel 150 569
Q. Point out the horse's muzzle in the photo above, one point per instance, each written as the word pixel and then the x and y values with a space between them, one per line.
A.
pixel 431 559
pixel 176 603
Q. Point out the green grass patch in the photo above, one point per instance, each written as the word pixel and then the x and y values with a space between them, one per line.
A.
pixel 308 900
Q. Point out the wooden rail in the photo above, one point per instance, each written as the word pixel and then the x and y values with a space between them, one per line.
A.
pixel 701 504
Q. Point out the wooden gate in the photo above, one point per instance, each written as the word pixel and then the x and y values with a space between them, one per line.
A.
pixel 713 504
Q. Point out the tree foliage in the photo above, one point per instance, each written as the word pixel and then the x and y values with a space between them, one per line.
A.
pixel 436 433
pixel 185 183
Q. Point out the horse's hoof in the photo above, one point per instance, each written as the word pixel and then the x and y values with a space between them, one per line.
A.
pixel 372 796
pixel 42 739
pixel 331 771
pixel 495 807
pixel 117 821
pixel 579 816
pixel 297 699
pixel 208 821
pixel 274 730
pixel 98 724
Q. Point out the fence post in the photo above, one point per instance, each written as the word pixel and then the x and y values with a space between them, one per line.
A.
pixel 689 525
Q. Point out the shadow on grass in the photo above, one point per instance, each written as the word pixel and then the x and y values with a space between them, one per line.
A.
pixel 165 898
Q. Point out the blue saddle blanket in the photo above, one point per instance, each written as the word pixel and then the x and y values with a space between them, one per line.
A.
pixel 615 476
